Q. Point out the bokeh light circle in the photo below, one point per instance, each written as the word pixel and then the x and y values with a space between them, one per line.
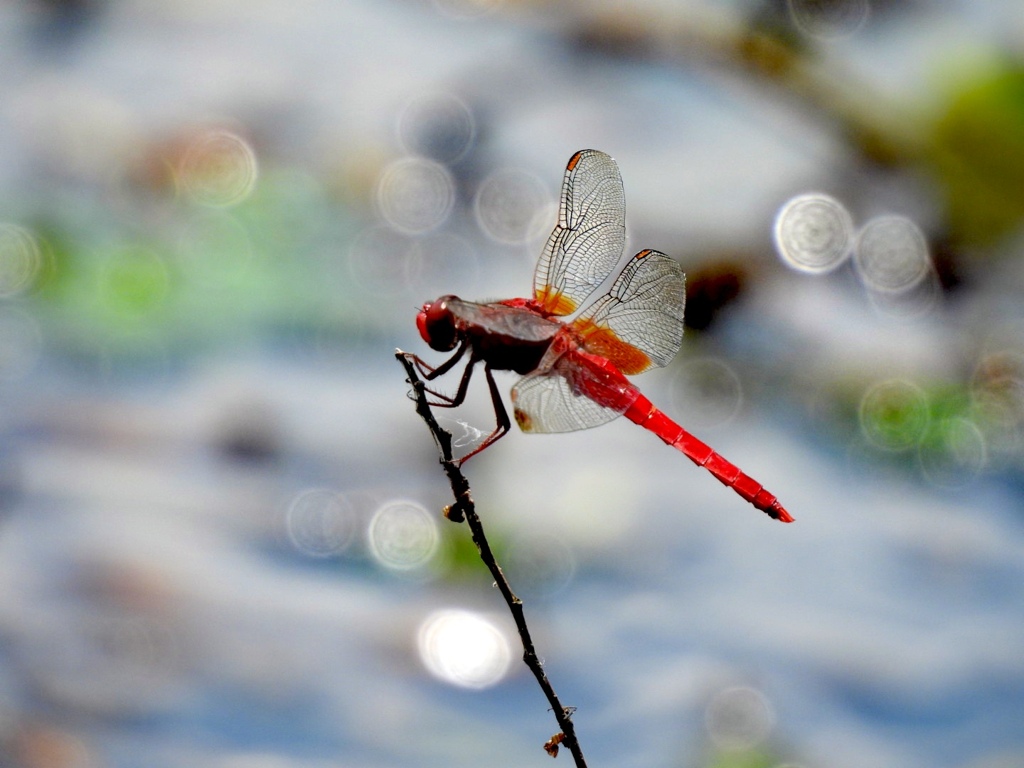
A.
pixel 20 259
pixel 1002 374
pixel 707 392
pixel 218 169
pixel 438 126
pixel 894 415
pixel 814 233
pixel 956 454
pixel 1002 425
pixel 891 255
pixel 403 536
pixel 464 648
pixel 320 522
pixel 997 403
pixel 739 718
pixel 829 19
pixel 511 206
pixel 911 305
pixel 415 195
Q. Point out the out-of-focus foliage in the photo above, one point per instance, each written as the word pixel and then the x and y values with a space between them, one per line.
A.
pixel 743 758
pixel 977 148
pixel 200 277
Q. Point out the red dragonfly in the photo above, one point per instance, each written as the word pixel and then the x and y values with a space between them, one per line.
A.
pixel 574 371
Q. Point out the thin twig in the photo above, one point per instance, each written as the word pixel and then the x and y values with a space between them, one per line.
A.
pixel 464 509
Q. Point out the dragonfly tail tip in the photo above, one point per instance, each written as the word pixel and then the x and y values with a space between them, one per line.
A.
pixel 779 513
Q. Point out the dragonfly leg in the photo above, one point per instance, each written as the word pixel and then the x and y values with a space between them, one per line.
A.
pixel 500 414
pixel 430 373
pixel 452 401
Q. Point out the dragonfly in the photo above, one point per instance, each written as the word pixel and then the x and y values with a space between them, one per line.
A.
pixel 574 369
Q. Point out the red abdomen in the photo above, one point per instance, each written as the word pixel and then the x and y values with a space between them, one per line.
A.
pixel 642 412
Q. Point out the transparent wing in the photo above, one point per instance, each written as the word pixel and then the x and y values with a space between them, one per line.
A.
pixel 638 324
pixel 587 241
pixel 547 402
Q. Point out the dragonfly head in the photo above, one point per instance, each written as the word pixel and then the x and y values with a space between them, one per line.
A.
pixel 436 325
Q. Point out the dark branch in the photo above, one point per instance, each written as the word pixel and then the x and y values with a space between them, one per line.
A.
pixel 463 508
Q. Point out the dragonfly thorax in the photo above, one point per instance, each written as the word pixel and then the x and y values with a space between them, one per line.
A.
pixel 436 324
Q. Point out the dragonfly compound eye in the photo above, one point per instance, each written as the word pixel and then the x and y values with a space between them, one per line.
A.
pixel 437 326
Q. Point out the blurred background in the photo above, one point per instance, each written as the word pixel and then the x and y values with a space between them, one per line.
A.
pixel 220 533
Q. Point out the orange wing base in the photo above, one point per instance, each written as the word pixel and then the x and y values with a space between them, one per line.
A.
pixel 554 302
pixel 603 341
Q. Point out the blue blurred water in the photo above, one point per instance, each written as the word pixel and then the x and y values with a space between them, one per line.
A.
pixel 154 609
